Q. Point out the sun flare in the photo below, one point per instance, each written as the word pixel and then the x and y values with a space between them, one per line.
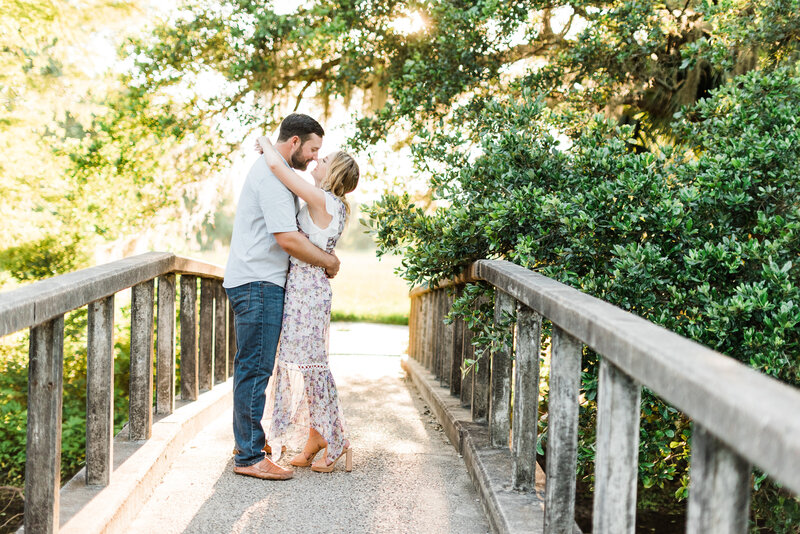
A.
pixel 409 24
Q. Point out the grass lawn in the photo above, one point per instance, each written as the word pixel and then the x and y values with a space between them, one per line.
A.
pixel 367 289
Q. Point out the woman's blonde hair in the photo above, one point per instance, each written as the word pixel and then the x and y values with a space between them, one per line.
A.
pixel 342 177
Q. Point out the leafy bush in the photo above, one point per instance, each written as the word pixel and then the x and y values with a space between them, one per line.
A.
pixel 701 236
pixel 13 396
pixel 43 258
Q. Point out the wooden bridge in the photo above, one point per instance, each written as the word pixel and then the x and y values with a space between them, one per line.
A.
pixel 741 418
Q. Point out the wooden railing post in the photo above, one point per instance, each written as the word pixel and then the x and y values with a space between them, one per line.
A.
pixel 526 398
pixel 442 342
pixel 165 345
pixel 419 327
pixel 43 447
pixel 466 354
pixel 189 379
pixel 206 334
pixel 455 349
pixel 617 452
pixel 220 341
pixel 423 330
pixel 436 336
pixel 412 316
pixel 100 392
pixel 140 411
pixel 719 488
pixel 562 432
pixel 433 328
pixel 429 328
pixel 500 384
pixel 480 385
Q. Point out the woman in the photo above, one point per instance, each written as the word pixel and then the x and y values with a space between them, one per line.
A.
pixel 301 397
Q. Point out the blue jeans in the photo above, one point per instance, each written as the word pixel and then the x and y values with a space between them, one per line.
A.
pixel 257 313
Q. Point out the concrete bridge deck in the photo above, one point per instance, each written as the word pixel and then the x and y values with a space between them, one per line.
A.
pixel 406 475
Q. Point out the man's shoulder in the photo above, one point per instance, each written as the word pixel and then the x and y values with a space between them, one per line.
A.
pixel 263 177
pixel 259 170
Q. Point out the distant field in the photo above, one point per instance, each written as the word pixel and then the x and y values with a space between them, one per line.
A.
pixel 368 290
pixel 364 290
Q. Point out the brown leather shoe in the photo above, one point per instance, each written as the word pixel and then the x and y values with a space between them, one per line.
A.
pixel 265 469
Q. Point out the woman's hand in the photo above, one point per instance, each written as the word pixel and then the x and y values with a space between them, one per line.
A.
pixel 264 146
pixel 263 143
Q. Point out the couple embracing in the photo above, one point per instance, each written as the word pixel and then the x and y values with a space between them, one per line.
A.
pixel 276 279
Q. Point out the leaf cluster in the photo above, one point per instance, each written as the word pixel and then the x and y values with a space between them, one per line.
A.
pixel 702 237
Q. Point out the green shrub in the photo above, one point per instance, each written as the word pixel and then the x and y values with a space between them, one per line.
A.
pixel 701 236
pixel 13 396
pixel 43 258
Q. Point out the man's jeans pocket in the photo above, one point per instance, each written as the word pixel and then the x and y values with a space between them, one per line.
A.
pixel 239 297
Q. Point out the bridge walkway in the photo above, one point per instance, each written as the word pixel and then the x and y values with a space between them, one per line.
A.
pixel 406 476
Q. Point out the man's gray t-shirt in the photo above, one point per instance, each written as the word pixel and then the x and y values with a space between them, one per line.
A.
pixel 265 207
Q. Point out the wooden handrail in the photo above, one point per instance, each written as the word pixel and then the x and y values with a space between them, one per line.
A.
pixel 43 300
pixel 742 417
pixel 41 307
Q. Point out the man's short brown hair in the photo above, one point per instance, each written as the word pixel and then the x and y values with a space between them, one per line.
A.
pixel 300 125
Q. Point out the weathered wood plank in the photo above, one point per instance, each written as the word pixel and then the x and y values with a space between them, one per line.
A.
pixel 421 331
pixel 447 342
pixel 45 299
pixel 165 346
pixel 466 354
pixel 411 333
pixel 500 383
pixel 100 392
pixel 197 268
pixel 562 430
pixel 442 366
pixel 480 385
pixel 456 349
pixel 190 389
pixel 617 452
pixel 526 398
pixel 43 448
pixel 220 331
pixel 753 413
pixel 140 411
pixel 428 332
pixel 719 487
pixel 40 301
pixel 431 334
pixel 206 335
pixel 435 336
pixel 420 328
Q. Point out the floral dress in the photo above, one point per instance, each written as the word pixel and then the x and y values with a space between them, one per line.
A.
pixel 302 392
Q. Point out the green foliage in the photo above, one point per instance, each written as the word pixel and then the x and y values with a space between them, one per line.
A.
pixel 701 238
pixel 89 158
pixel 13 396
pixel 49 87
pixel 637 61
pixel 398 319
pixel 43 258
pixel 691 223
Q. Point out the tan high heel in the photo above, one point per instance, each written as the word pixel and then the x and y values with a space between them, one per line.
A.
pixel 348 462
pixel 309 458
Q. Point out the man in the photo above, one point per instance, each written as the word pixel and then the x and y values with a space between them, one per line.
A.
pixel 264 235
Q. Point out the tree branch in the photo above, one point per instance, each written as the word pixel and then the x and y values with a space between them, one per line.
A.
pixel 300 95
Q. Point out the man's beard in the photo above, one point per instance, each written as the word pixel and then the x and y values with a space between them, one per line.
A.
pixel 297 161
